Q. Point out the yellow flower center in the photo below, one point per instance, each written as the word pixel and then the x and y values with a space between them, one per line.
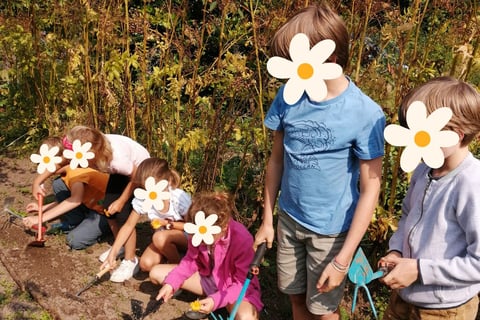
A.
pixel 152 195
pixel 202 229
pixel 46 159
pixel 422 139
pixel 305 71
pixel 79 155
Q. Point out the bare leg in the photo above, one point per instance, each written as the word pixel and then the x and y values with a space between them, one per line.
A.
pixel 130 246
pixel 160 272
pixel 246 311
pixel 300 311
pixel 150 257
pixel 168 242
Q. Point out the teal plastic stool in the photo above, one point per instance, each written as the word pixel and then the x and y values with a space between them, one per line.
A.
pixel 361 274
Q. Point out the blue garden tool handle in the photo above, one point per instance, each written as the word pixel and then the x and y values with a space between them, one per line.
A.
pixel 254 269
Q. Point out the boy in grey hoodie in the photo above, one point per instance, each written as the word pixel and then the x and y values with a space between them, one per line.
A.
pixel 434 255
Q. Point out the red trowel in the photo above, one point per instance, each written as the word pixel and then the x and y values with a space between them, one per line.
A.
pixel 39 240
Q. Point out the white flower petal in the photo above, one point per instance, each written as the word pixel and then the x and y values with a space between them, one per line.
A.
pixel 293 91
pixel 68 154
pixel 410 158
pixel 149 183
pixel 199 218
pixel 434 157
pixel 215 229
pixel 439 118
pixel 196 239
pixel 146 205
pixel 211 219
pixel 190 227
pixel 280 68
pixel 417 116
pixel 447 138
pixel 329 71
pixel 299 47
pixel 51 167
pixel 36 158
pixel 323 50
pixel 317 91
pixel 208 238
pixel 140 193
pixel 397 135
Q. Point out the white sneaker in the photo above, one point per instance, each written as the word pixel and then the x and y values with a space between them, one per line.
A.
pixel 125 271
pixel 104 255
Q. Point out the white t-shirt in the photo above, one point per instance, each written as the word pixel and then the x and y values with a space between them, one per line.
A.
pixel 126 154
pixel 179 203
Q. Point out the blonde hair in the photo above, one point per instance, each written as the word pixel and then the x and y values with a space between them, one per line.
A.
pixel 462 98
pixel 218 202
pixel 100 146
pixel 318 22
pixel 157 168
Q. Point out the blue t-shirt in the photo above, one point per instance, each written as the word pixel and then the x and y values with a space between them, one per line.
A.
pixel 323 145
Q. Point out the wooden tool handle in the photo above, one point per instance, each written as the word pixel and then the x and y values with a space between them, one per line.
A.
pixel 102 272
pixel 40 217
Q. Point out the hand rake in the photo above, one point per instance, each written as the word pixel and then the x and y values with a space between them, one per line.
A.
pixel 361 274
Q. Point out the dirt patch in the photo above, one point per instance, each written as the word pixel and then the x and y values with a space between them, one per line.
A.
pixel 52 275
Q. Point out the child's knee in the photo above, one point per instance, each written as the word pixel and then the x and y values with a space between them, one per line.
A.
pixel 146 265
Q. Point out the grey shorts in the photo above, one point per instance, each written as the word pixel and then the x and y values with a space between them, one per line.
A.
pixel 302 255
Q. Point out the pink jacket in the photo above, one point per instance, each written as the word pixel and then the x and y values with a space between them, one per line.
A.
pixel 232 257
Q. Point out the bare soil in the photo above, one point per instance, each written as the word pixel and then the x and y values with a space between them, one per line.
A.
pixel 48 278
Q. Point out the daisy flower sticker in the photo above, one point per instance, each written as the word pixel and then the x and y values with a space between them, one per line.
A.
pixel 203 229
pixel 153 195
pixel 47 159
pixel 79 155
pixel 424 138
pixel 307 70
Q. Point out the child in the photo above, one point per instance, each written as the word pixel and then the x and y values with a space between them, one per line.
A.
pixel 326 159
pixel 216 271
pixel 434 254
pixel 169 238
pixel 89 191
pixel 114 154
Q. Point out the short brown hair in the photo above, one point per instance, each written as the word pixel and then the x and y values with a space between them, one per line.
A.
pixel 218 202
pixel 318 22
pixel 157 168
pixel 462 98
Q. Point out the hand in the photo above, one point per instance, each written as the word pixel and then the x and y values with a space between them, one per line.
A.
pixel 29 222
pixel 38 189
pixel 32 207
pixel 265 233
pixel 329 279
pixel 165 293
pixel 206 305
pixel 403 274
pixel 115 206
pixel 386 261
pixel 110 261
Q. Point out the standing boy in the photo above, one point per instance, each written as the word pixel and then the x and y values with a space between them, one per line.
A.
pixel 435 252
pixel 326 160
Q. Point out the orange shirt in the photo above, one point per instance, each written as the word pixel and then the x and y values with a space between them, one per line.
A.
pixel 94 182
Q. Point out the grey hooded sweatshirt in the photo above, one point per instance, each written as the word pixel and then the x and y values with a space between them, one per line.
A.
pixel 440 227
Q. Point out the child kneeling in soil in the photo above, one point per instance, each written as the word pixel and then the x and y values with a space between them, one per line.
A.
pixel 216 267
pixel 90 192
pixel 166 214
